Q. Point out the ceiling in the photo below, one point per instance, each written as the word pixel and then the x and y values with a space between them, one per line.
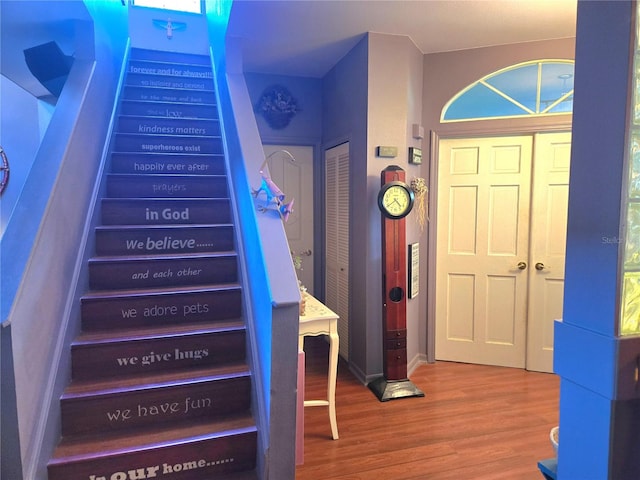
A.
pixel 308 37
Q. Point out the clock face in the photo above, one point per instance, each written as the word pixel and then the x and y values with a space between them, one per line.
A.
pixel 395 199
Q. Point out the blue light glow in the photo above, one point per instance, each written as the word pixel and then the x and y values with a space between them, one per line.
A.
pixel 189 6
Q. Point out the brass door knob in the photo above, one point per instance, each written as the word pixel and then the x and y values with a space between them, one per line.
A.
pixel 539 266
pixel 522 265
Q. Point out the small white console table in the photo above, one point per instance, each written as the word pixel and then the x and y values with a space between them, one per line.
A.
pixel 318 319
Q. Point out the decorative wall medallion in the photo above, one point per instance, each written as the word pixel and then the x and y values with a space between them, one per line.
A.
pixel 170 26
pixel 4 171
pixel 277 106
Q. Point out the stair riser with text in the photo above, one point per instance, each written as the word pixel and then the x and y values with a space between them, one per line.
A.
pixel 202 458
pixel 149 241
pixel 125 357
pixel 149 406
pixel 161 307
pixel 162 271
pixel 137 211
pixel 168 164
pixel 161 104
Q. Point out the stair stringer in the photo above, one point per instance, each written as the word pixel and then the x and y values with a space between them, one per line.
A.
pixel 273 297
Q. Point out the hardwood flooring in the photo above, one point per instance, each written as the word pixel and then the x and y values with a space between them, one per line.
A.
pixel 475 423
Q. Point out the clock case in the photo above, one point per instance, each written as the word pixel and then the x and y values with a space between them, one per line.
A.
pixel 394 384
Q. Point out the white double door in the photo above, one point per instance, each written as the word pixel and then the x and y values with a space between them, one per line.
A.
pixel 502 216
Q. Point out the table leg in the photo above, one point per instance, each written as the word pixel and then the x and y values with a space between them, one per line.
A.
pixel 334 346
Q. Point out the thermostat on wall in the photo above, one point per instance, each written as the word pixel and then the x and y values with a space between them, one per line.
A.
pixel 387 152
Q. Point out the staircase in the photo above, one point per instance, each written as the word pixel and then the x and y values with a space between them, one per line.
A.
pixel 160 385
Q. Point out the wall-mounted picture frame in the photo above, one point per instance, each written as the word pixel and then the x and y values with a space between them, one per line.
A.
pixel 414 269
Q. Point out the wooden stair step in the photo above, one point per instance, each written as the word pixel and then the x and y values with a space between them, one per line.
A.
pixel 166 186
pixel 166 94
pixel 251 475
pixel 153 211
pixel 169 57
pixel 107 273
pixel 202 449
pixel 151 107
pixel 168 68
pixel 143 143
pixel 132 402
pixel 134 352
pixel 133 333
pixel 175 306
pixel 158 163
pixel 109 386
pixel 159 239
pixel 185 84
pixel 168 125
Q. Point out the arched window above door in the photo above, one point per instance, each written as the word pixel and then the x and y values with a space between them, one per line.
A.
pixel 537 88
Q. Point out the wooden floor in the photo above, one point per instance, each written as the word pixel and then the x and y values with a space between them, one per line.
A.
pixel 475 423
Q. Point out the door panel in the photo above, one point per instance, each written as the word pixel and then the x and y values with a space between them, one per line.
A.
pixel 501 310
pixel 503 220
pixel 460 314
pixel 483 233
pixel 295 179
pixel 549 229
pixel 463 201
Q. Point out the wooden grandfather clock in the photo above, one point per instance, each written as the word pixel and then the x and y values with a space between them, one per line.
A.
pixel 395 201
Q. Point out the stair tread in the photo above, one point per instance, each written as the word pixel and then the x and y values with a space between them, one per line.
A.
pixel 108 444
pixel 155 102
pixel 140 292
pixel 177 119
pixel 174 154
pixel 156 332
pixel 165 135
pixel 162 226
pixel 83 388
pixel 171 63
pixel 142 200
pixel 239 476
pixel 161 199
pixel 131 78
pixel 166 176
pixel 168 55
pixel 164 256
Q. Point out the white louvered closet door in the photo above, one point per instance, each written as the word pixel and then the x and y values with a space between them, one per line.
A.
pixel 337 239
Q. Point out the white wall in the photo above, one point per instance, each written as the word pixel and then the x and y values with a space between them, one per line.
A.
pixel 48 226
pixel 372 97
pixel 395 104
pixel 21 129
pixel 344 118
pixel 148 30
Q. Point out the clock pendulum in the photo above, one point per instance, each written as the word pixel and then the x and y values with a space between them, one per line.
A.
pixel 395 201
